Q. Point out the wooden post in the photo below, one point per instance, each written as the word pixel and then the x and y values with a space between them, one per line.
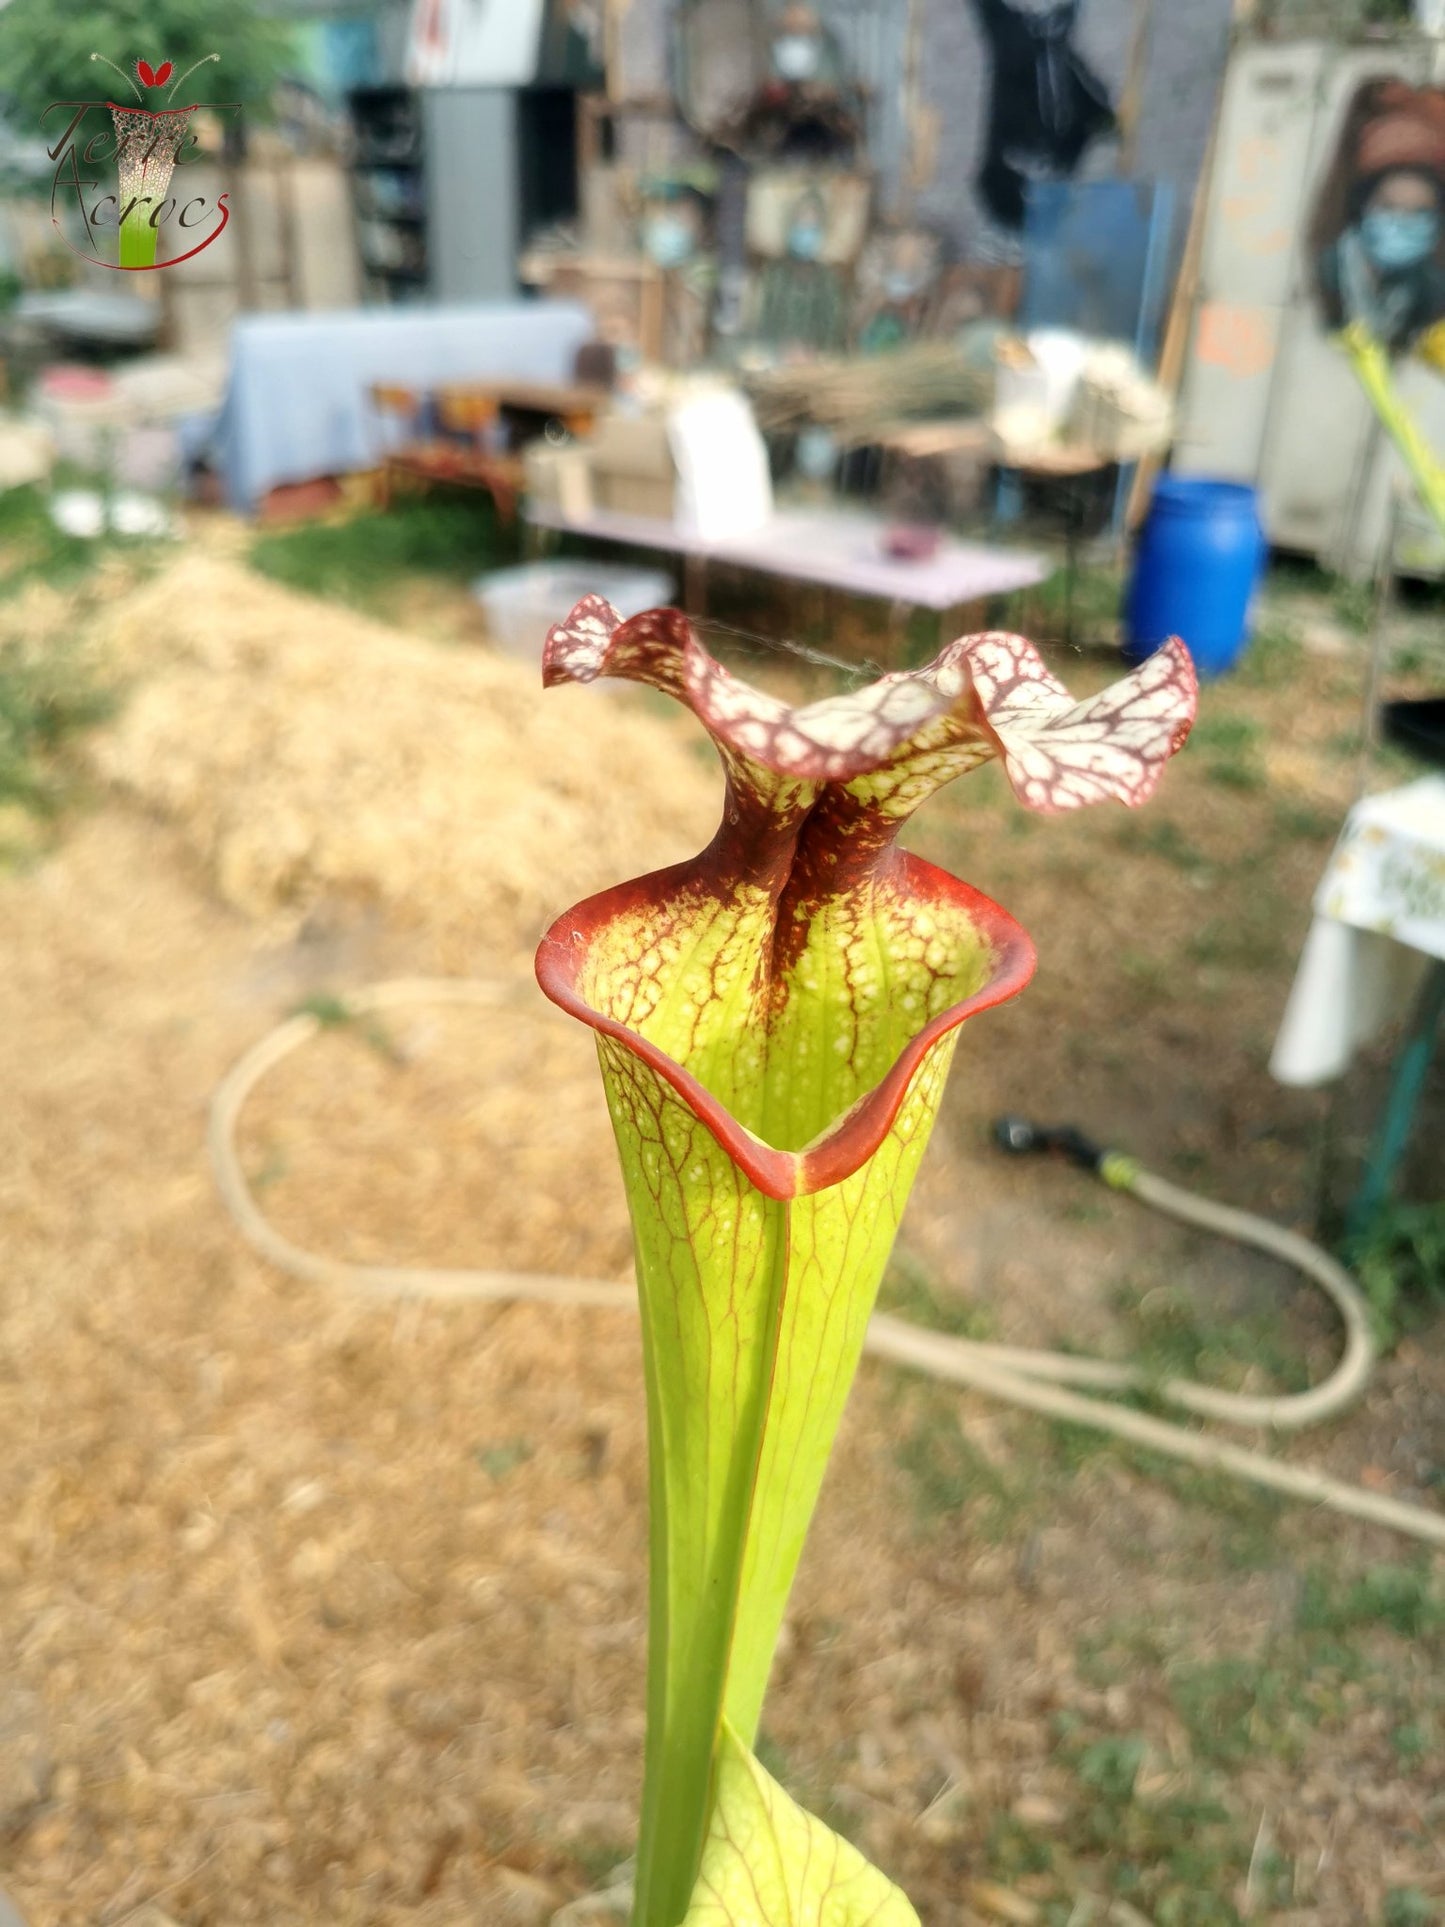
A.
pixel 1131 98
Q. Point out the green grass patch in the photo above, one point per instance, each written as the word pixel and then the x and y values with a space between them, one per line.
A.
pixel 1232 1524
pixel 1122 1649
pixel 1299 821
pixel 1096 590
pixel 1251 940
pixel 1173 1337
pixel 1406 1599
pixel 504 1457
pixel 1410 659
pixel 1176 1845
pixel 1177 1858
pixel 32 548
pixel 1015 1851
pixel 1232 750
pixel 1158 836
pixel 1408 1907
pixel 334 1013
pixel 1237 1708
pixel 948 1475
pixel 50 692
pixel 47 697
pixel 1236 773
pixel 909 1292
pixel 1292 576
pixel 1154 977
pixel 1353 603
pixel 596 1858
pixel 1414 1741
pixel 1083 1209
pixel 1110 1767
pixel 1231 735
pixel 367 561
pixel 1400 1263
pixel 1274 658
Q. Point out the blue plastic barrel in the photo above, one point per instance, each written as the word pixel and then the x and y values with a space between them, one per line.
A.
pixel 1199 558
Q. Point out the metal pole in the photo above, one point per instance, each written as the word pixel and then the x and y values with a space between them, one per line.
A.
pixel 1392 1134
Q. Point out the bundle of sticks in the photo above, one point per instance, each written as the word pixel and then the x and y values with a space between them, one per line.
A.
pixel 862 396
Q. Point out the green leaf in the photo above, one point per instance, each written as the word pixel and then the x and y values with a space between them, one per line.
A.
pixel 767 1863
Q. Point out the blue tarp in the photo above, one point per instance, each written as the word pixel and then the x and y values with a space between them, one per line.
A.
pixel 297 402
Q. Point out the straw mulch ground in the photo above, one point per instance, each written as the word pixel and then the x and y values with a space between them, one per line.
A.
pixel 307 753
pixel 318 1610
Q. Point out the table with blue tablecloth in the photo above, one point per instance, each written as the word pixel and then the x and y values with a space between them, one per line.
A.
pixel 297 402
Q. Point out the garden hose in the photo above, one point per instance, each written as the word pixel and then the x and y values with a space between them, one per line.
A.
pixel 1039 1381
pixel 1344 1384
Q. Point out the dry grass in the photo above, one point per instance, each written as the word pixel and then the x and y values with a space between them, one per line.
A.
pixel 307 752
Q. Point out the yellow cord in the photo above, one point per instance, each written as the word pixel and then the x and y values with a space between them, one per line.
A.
pixel 1373 368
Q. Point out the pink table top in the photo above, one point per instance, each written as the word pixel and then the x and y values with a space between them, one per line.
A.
pixel 840 549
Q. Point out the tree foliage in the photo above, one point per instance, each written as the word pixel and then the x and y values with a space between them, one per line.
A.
pixel 45 50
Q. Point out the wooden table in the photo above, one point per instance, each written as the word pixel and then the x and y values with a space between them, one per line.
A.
pixel 1053 461
pixel 473 405
pixel 937 435
pixel 428 458
pixel 1062 467
pixel 832 548
pixel 447 439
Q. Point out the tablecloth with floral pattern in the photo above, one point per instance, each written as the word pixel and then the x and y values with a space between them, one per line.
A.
pixel 1379 915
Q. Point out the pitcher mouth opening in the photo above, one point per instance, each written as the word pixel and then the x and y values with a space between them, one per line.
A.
pixel 850 1136
pixel 787 984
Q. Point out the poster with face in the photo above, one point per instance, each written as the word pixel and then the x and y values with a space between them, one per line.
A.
pixel 1378 237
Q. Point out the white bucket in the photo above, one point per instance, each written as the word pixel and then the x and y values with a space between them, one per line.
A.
pixel 522 604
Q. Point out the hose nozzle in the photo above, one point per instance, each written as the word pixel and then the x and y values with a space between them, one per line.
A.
pixel 1019 1136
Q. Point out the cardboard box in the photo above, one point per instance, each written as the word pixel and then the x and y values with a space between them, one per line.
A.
pixel 558 478
pixel 632 467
